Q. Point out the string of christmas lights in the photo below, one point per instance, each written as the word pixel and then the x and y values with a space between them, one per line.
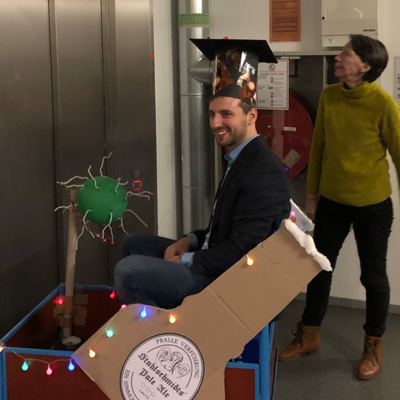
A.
pixel 144 313
pixel 27 361
pixel 109 332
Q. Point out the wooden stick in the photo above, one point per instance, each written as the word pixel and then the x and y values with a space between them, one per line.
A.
pixel 70 268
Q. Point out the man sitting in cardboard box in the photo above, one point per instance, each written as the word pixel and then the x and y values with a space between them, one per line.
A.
pixel 251 201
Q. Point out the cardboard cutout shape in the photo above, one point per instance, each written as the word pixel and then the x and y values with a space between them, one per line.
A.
pixel 153 358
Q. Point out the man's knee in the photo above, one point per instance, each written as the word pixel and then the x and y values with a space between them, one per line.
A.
pixel 127 267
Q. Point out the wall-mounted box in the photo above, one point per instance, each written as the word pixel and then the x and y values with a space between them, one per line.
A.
pixel 340 18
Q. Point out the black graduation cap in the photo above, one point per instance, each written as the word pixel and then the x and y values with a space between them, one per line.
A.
pixel 236 63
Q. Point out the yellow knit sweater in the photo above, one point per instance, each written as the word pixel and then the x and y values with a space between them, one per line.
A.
pixel 353 130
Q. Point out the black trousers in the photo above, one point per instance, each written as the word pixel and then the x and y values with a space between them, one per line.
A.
pixel 372 226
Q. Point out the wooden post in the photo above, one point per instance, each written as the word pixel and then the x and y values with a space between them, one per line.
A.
pixel 70 274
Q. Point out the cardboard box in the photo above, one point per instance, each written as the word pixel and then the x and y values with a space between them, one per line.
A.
pixel 37 339
pixel 152 358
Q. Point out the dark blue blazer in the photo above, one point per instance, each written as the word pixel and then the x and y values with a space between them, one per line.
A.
pixel 251 204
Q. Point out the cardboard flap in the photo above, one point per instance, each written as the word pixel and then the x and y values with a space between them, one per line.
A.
pixel 292 257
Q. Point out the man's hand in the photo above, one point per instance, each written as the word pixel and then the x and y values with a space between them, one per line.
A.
pixel 174 252
pixel 311 205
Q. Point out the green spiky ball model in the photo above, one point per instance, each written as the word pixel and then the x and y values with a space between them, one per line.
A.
pixel 103 198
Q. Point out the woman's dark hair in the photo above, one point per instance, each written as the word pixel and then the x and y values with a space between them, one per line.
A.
pixel 371 51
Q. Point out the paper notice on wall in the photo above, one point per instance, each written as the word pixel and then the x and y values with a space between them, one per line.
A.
pixel 397 80
pixel 273 86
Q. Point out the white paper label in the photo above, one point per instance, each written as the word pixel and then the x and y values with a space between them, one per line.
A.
pixel 291 158
pixel 167 366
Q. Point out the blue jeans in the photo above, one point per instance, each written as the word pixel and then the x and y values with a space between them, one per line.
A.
pixel 372 225
pixel 144 277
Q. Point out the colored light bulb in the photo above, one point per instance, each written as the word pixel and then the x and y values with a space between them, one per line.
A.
pixel 49 371
pixel 59 301
pixel 250 261
pixel 109 333
pixel 172 319
pixel 112 295
pixel 71 366
pixel 143 314
pixel 25 366
pixel 123 306
pixel 92 353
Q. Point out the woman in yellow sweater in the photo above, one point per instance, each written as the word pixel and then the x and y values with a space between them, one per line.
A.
pixel 348 184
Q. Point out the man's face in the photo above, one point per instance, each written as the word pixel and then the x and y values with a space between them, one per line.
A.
pixel 228 122
pixel 349 67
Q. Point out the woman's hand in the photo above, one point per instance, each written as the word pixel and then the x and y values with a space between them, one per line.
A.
pixel 311 205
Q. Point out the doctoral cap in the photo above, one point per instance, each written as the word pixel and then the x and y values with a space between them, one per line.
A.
pixel 236 64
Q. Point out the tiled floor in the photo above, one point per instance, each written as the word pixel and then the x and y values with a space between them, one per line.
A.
pixel 329 374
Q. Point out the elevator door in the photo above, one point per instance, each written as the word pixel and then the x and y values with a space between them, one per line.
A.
pixel 76 82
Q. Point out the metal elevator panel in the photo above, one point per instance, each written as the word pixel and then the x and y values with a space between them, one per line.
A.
pixel 134 142
pixel 76 39
pixel 28 241
pixel 77 82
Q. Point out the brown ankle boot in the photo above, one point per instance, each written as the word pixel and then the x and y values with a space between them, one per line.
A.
pixel 306 340
pixel 371 357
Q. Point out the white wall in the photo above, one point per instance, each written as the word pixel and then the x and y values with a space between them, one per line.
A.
pixel 252 22
pixel 388 25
